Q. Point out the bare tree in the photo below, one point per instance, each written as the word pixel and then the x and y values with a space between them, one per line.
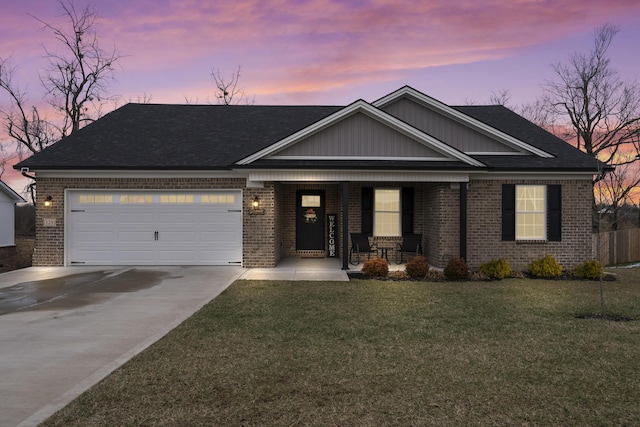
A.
pixel 502 97
pixel 3 159
pixel 77 79
pixel 21 121
pixel 227 90
pixel 75 84
pixel 613 190
pixel 599 112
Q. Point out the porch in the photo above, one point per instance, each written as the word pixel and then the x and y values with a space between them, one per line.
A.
pixel 434 210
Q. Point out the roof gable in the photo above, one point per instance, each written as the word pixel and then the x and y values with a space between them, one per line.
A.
pixel 492 140
pixel 358 137
pixel 369 140
pixel 7 194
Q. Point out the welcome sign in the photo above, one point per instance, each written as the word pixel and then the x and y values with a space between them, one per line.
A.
pixel 332 225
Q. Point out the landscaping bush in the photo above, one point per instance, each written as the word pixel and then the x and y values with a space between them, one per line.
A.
pixel 496 268
pixel 456 269
pixel 588 270
pixel 376 267
pixel 417 267
pixel 547 267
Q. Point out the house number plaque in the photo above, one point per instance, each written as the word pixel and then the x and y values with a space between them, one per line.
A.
pixel 49 222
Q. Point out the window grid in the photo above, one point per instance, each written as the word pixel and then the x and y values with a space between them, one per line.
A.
pixel 530 212
pixel 386 215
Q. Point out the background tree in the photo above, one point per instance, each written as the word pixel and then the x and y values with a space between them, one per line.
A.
pixel 227 90
pixel 600 114
pixel 75 83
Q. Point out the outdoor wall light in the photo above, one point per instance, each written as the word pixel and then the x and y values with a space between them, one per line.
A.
pixel 48 201
pixel 255 207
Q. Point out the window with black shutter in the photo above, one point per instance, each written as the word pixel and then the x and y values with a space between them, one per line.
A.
pixel 531 212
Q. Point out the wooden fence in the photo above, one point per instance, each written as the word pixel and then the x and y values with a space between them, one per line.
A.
pixel 618 247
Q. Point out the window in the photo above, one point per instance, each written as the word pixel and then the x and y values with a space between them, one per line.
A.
pixel 310 201
pixel 136 199
pixel 96 198
pixel 395 208
pixel 218 199
pixel 530 212
pixel 176 199
pixel 386 212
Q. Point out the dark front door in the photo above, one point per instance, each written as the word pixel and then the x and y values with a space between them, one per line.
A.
pixel 310 219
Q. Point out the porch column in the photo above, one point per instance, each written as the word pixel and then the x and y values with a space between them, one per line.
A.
pixel 463 220
pixel 345 225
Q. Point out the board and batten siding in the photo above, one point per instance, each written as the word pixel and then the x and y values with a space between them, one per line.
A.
pixel 359 136
pixel 444 128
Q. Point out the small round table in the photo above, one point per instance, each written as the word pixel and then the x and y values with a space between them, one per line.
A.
pixel 385 251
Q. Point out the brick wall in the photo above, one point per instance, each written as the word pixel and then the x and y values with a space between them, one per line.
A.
pixel 258 250
pixel 442 223
pixel 484 226
pixel 260 241
pixel 8 259
pixel 269 237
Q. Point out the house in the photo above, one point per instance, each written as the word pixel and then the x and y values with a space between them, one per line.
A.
pixel 249 185
pixel 8 200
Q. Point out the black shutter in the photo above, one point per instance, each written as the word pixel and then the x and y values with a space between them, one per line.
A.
pixel 407 210
pixel 554 213
pixel 367 210
pixel 508 212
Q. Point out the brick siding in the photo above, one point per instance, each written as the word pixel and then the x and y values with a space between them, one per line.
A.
pixel 269 237
pixel 258 230
pixel 484 225
pixel 8 258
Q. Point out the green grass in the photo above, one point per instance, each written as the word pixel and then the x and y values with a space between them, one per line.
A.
pixel 370 353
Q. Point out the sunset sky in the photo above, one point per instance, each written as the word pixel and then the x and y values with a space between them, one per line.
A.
pixel 329 52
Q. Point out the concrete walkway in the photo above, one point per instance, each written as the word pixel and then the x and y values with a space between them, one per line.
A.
pixel 316 269
pixel 63 329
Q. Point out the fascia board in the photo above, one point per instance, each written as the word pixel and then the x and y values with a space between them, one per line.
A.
pixel 461 118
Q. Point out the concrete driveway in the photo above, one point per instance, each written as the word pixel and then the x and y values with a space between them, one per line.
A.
pixel 63 329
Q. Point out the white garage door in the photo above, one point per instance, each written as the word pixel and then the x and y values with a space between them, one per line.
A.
pixel 114 227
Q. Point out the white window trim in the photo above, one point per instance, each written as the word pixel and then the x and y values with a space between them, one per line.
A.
pixel 398 212
pixel 543 212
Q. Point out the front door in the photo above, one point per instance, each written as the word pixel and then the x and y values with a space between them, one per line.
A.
pixel 310 219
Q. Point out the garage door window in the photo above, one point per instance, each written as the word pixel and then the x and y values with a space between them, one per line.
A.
pixel 136 199
pixel 95 199
pixel 176 199
pixel 218 199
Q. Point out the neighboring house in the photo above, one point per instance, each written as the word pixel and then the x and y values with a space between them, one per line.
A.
pixel 8 200
pixel 176 184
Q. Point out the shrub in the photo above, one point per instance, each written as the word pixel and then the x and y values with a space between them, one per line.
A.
pixel 376 267
pixel 417 267
pixel 546 267
pixel 588 270
pixel 496 268
pixel 456 269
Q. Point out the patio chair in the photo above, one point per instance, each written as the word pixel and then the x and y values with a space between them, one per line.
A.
pixel 360 245
pixel 411 244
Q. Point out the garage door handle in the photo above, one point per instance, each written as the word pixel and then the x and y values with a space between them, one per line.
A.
pixel 155 235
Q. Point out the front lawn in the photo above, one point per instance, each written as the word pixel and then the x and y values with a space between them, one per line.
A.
pixel 372 353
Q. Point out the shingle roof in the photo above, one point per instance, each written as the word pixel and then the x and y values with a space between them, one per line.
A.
pixel 153 136
pixel 209 137
pixel 505 120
